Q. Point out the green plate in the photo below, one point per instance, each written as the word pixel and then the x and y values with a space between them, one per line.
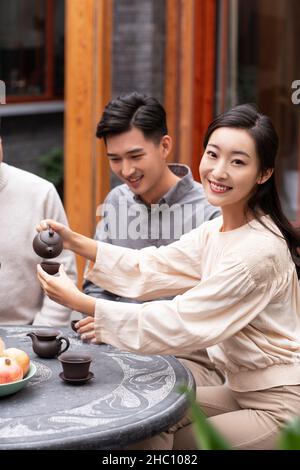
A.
pixel 13 387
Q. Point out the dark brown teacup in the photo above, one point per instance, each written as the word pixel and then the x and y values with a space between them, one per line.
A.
pixel 73 323
pixel 75 365
pixel 51 267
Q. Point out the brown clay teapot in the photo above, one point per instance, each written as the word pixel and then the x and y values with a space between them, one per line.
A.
pixel 47 244
pixel 48 343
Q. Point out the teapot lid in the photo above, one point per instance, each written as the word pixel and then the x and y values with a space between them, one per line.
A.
pixel 50 237
pixel 47 333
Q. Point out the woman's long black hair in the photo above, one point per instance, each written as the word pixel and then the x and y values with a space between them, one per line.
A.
pixel 265 199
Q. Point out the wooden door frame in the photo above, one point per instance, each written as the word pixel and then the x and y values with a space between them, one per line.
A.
pixel 87 90
pixel 190 76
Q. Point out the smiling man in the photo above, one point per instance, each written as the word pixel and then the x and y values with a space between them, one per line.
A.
pixel 141 163
pixel 157 202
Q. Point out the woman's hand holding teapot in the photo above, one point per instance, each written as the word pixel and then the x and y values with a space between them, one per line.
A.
pixel 62 230
pixel 76 242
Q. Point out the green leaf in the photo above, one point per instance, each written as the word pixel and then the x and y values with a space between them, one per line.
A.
pixel 52 166
pixel 206 436
pixel 290 436
pixel 209 439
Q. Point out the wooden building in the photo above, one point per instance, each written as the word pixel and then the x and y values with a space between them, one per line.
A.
pixel 215 53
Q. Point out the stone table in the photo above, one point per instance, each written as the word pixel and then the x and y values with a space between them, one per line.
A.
pixel 131 397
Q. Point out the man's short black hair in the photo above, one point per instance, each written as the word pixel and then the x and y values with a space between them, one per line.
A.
pixel 133 110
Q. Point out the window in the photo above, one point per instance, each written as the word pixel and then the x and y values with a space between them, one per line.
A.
pixel 32 49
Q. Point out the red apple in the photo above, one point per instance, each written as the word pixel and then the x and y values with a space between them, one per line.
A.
pixel 20 356
pixel 10 370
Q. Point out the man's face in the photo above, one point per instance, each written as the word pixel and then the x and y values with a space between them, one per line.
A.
pixel 138 162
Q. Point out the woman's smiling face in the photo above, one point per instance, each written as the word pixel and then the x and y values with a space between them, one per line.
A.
pixel 230 168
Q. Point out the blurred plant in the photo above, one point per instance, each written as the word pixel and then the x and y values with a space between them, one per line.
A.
pixel 208 438
pixel 290 436
pixel 52 168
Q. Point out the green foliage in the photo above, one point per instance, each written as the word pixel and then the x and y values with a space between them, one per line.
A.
pixel 52 166
pixel 209 439
pixel 52 169
pixel 290 436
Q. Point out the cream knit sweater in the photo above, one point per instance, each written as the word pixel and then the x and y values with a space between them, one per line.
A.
pixel 26 199
pixel 238 296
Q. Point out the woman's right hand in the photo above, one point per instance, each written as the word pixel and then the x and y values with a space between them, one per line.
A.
pixel 65 232
pixel 81 245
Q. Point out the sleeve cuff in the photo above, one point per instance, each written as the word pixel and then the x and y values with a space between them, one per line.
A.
pixel 111 317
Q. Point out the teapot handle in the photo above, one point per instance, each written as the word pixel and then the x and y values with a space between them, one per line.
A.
pixel 60 339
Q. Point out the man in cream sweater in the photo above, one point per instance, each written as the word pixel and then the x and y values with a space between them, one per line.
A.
pixel 24 200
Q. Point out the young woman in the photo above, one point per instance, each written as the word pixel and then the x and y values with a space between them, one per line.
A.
pixel 236 280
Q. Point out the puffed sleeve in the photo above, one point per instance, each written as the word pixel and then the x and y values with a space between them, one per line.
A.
pixel 210 312
pixel 151 272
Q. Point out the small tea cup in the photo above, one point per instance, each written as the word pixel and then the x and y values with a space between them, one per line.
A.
pixel 75 365
pixel 51 267
pixel 73 323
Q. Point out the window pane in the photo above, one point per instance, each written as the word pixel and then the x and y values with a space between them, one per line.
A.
pixel 22 46
pixel 59 47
